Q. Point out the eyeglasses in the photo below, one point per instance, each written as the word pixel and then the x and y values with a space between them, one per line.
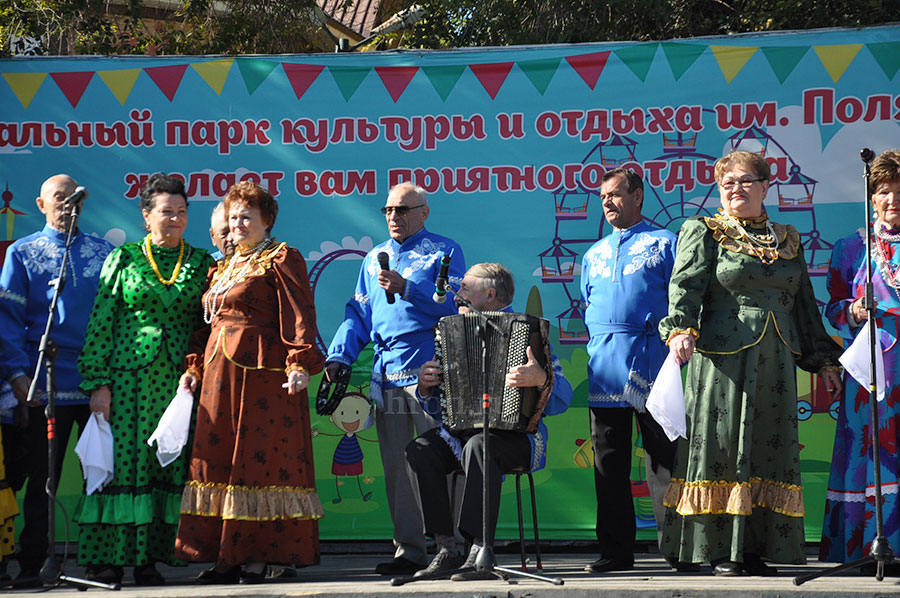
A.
pixel 729 185
pixel 399 210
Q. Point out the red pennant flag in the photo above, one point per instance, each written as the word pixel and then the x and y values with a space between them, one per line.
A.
pixel 396 78
pixel 73 85
pixel 589 66
pixel 167 78
pixel 301 76
pixel 492 75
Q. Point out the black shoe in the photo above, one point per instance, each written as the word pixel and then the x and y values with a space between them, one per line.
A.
pixel 753 565
pixel 682 567
pixel 249 577
pixel 281 572
pixel 477 575
pixel 28 578
pixel 398 566
pixel 442 561
pixel 111 574
pixel 607 564
pixel 147 575
pixel 211 576
pixel 728 569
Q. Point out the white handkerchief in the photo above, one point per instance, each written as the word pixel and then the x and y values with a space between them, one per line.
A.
pixel 856 360
pixel 171 433
pixel 666 400
pixel 95 450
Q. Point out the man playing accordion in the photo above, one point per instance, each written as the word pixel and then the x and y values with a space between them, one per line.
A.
pixel 438 452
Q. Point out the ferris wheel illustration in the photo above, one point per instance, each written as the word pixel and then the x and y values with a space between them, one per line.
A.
pixel 316 272
pixel 668 209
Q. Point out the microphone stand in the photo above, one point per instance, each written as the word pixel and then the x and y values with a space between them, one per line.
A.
pixel 880 551
pixel 486 560
pixel 51 573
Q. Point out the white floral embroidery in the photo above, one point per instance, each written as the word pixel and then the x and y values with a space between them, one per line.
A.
pixel 422 256
pixel 372 267
pixel 360 298
pixel 598 259
pixel 95 253
pixel 14 297
pixel 650 250
pixel 41 255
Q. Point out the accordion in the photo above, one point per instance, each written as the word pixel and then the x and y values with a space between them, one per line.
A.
pixel 459 350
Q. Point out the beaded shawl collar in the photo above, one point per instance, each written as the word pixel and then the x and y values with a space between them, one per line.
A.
pixel 262 262
pixel 732 238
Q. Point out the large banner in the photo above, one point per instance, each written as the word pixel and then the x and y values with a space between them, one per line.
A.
pixel 510 143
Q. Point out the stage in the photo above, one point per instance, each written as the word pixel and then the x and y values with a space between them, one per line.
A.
pixel 348 571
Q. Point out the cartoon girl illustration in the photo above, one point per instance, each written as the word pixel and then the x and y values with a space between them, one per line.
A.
pixel 352 415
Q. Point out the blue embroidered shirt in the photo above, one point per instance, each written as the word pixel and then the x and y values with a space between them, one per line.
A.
pixel 25 293
pixel 402 331
pixel 624 285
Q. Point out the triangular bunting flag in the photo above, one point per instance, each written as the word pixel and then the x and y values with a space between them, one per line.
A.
pixel 492 75
pixel 254 71
pixel 887 55
pixel 681 56
pixel 73 84
pixel 589 66
pixel 167 78
pixel 732 59
pixel 396 78
pixel 638 58
pixel 120 83
pixel 540 72
pixel 214 72
pixel 348 78
pixel 784 59
pixel 444 78
pixel 837 58
pixel 301 76
pixel 25 85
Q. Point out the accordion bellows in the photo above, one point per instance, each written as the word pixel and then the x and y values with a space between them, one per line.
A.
pixel 458 348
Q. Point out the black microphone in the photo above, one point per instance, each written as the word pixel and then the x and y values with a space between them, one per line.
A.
pixel 866 155
pixel 77 195
pixel 440 285
pixel 383 262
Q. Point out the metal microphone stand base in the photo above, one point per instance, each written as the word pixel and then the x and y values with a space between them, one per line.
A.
pixel 51 576
pixel 485 561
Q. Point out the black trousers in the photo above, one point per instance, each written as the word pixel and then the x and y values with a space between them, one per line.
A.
pixel 611 437
pixel 33 540
pixel 431 460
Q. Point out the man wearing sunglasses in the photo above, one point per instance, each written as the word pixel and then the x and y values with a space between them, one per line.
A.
pixel 393 307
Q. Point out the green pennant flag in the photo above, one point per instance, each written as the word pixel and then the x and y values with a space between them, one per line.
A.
pixel 784 59
pixel 681 56
pixel 638 58
pixel 887 55
pixel 348 78
pixel 540 72
pixel 444 78
pixel 254 72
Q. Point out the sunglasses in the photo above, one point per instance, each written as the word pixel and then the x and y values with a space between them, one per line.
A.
pixel 399 210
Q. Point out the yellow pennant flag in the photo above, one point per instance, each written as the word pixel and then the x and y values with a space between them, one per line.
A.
pixel 214 72
pixel 837 58
pixel 732 59
pixel 120 83
pixel 25 85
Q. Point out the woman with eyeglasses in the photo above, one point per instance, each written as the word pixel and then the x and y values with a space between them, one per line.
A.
pixel 849 526
pixel 743 316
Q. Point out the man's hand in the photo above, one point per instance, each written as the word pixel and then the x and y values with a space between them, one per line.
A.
pixel 429 377
pixel 331 371
pixel 391 281
pixel 529 374
pixel 20 386
pixel 101 400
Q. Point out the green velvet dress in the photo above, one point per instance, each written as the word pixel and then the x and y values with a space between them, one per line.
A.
pixel 136 339
pixel 736 488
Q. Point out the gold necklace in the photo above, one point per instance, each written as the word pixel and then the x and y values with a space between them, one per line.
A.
pixel 148 251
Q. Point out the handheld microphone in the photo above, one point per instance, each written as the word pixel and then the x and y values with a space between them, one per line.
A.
pixel 440 285
pixel 383 262
pixel 866 155
pixel 77 195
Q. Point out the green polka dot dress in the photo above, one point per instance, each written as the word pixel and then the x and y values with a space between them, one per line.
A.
pixel 135 341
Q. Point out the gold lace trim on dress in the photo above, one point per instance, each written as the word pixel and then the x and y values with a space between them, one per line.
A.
pixel 734 498
pixel 265 503
pixel 733 239
pixel 262 263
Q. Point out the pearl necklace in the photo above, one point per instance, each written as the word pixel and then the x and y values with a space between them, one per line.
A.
pixel 215 298
pixel 760 243
pixel 882 234
pixel 891 277
pixel 148 253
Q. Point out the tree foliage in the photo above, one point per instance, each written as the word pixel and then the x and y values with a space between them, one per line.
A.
pixel 465 23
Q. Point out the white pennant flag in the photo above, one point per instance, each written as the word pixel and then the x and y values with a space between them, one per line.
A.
pixel 856 360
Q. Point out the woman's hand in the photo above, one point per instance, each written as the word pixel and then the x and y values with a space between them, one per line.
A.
pixel 101 399
pixel 832 382
pixel 682 347
pixel 297 382
pixel 188 382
